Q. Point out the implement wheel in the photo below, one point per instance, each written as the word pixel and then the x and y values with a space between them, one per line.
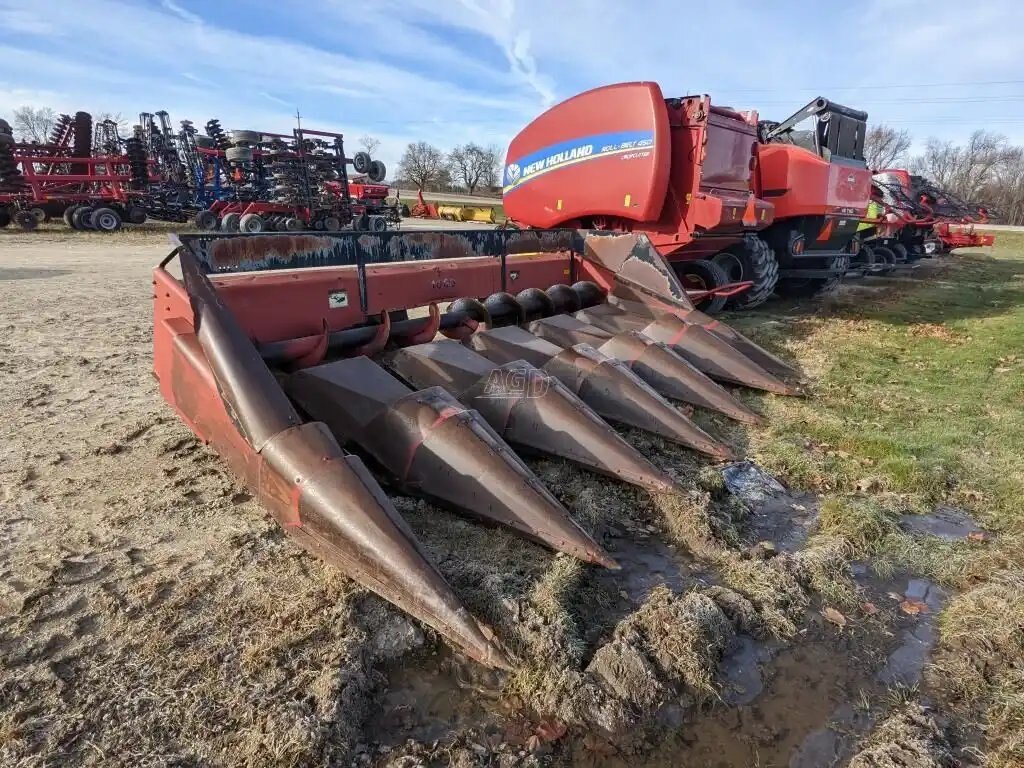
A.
pixel 884 258
pixel 5 217
pixel 205 220
pixel 750 259
pixel 229 222
pixel 805 287
pixel 704 275
pixel 251 223
pixel 26 220
pixel 80 218
pixel 69 213
pixel 105 220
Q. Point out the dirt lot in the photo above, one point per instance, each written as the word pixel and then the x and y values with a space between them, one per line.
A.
pixel 152 614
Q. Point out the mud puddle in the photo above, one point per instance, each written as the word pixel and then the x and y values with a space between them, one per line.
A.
pixel 776 515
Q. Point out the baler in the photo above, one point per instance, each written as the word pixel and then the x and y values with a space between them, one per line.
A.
pixel 680 170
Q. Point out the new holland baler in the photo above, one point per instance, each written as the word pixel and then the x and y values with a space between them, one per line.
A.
pixel 680 170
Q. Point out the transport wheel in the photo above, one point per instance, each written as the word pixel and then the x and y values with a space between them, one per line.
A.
pixel 136 215
pixel 40 214
pixel 318 225
pixel 26 220
pixel 293 224
pixel 378 171
pixel 885 258
pixel 404 210
pixel 105 220
pixel 361 161
pixel 5 217
pixel 230 222
pixel 751 259
pixel 866 259
pixel 361 223
pixel 704 275
pixel 251 223
pixel 378 224
pixel 205 220
pixel 332 224
pixel 81 217
pixel 69 212
pixel 805 287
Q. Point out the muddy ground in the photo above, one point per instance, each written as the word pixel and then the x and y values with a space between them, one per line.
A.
pixel 151 614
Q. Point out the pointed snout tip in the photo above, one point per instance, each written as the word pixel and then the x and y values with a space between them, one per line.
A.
pixel 602 558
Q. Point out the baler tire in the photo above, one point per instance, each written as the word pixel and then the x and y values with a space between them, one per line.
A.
pixel 816 286
pixel 710 275
pixel 105 220
pixel 759 265
pixel 251 223
pixel 5 217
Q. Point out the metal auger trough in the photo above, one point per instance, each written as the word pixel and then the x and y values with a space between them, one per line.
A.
pixel 286 351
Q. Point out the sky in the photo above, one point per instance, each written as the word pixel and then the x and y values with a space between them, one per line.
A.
pixel 454 71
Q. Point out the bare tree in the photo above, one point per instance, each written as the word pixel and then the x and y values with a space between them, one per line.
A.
pixel 966 169
pixel 885 146
pixel 472 165
pixel 33 123
pixel 369 144
pixel 422 164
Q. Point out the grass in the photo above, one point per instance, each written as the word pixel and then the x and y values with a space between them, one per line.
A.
pixel 919 400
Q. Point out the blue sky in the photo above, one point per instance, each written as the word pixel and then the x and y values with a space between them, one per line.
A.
pixel 450 71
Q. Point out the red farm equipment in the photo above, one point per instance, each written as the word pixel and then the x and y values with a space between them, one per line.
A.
pixel 820 186
pixel 955 218
pixel 680 170
pixel 94 187
pixel 338 365
pixel 371 210
pixel 739 207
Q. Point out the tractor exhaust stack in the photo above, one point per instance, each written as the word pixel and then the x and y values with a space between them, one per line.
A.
pixel 437 448
pixel 530 409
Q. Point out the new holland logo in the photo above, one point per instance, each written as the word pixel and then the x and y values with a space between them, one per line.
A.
pixel 513 172
pixel 851 179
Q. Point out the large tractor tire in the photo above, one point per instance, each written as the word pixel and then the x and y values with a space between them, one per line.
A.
pixel 750 259
pixel 105 220
pixel 806 287
pixel 703 275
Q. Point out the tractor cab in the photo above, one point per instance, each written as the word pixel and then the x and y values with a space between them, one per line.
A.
pixel 820 185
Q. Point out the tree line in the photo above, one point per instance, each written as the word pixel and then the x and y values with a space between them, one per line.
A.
pixel 467 167
pixel 986 169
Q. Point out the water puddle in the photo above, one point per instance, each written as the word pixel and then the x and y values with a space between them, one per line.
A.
pixel 945 522
pixel 776 515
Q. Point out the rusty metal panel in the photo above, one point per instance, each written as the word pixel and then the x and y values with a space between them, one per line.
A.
pixel 282 250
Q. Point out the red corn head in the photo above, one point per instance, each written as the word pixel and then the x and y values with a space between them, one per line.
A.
pixel 758 354
pixel 438 448
pixel 654 362
pixel 529 408
pixel 602 382
pixel 705 351
pixel 325 499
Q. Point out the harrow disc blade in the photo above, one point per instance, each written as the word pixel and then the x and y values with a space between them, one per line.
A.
pixel 438 448
pixel 656 363
pixel 605 384
pixel 326 500
pixel 530 409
